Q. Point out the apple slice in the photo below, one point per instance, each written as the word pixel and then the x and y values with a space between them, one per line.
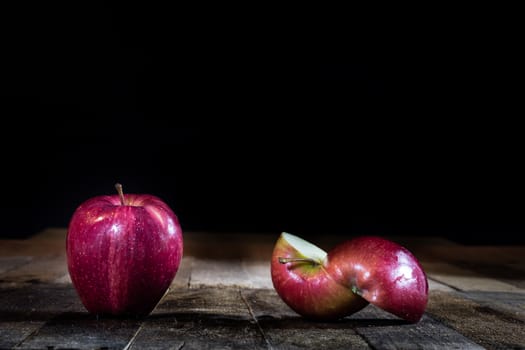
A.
pixel 384 273
pixel 366 269
pixel 300 278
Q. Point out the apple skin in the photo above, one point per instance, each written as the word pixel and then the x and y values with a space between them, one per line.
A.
pixel 308 289
pixel 382 272
pixel 366 269
pixel 122 258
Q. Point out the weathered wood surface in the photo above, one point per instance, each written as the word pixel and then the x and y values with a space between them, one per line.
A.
pixel 487 325
pixel 205 318
pixel 384 331
pixel 284 329
pixel 223 298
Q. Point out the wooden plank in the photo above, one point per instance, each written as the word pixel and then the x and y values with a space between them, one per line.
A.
pixel 464 279
pixel 79 330
pixel 369 328
pixel 512 274
pixel 510 303
pixel 162 333
pixel 42 269
pixel 183 276
pixel 231 273
pixel 222 297
pixel 64 279
pixel 435 285
pixel 484 325
pixel 14 247
pixel 23 310
pixel 52 316
pixel 385 331
pixel 49 241
pixel 266 304
pixel 218 273
pixel 284 329
pixel 259 274
pixel 11 262
pixel 217 302
pixel 224 245
pixel 207 318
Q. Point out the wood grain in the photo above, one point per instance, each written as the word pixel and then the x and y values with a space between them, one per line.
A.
pixel 183 276
pixel 465 279
pixel 385 331
pixel 488 327
pixel 284 329
pixel 41 269
pixel 79 330
pixel 222 298
pixel 25 309
pixel 11 262
pixel 218 273
pixel 511 303
pixel 205 318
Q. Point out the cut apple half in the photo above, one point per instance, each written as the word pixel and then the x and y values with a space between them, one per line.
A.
pixel 366 269
pixel 300 278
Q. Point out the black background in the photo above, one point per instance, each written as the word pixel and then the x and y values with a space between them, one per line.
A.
pixel 304 126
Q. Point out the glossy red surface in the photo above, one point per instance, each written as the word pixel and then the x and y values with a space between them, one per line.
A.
pixel 308 289
pixel 122 258
pixel 384 273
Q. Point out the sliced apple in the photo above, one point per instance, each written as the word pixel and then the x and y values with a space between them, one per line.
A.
pixel 363 270
pixel 300 278
pixel 384 273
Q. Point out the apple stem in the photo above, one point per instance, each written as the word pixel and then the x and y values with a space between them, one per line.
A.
pixel 120 193
pixel 357 291
pixel 304 260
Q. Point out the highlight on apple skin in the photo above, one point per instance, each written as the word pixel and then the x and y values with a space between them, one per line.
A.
pixel 384 273
pixel 366 269
pixel 123 252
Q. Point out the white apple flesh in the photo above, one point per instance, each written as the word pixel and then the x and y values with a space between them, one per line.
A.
pixel 364 269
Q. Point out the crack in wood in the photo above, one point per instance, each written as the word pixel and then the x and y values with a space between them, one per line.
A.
pixel 132 340
pixel 267 341
pixel 189 277
pixel 444 283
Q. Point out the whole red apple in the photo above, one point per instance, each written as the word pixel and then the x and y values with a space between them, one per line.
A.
pixel 123 252
pixel 368 268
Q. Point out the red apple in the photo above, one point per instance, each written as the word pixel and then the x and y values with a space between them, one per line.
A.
pixel 123 252
pixel 301 279
pixel 377 270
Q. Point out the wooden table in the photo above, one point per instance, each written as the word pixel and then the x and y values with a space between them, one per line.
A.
pixel 223 298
